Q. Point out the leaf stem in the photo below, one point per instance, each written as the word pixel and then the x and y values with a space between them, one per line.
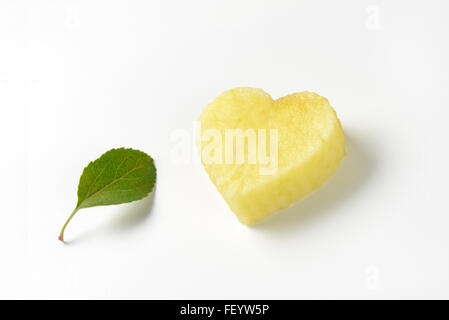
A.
pixel 61 235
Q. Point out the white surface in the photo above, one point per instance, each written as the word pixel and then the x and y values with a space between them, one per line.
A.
pixel 80 77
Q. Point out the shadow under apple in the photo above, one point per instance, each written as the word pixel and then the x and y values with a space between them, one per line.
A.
pixel 355 170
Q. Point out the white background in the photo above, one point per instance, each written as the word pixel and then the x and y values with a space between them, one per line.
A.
pixel 80 77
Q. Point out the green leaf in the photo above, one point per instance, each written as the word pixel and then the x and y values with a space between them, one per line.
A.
pixel 118 176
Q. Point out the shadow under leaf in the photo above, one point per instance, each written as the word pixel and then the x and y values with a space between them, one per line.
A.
pixel 129 217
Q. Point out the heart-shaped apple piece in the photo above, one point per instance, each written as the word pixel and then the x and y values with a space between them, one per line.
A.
pixel 264 154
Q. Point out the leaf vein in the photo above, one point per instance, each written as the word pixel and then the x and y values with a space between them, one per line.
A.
pixel 112 182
